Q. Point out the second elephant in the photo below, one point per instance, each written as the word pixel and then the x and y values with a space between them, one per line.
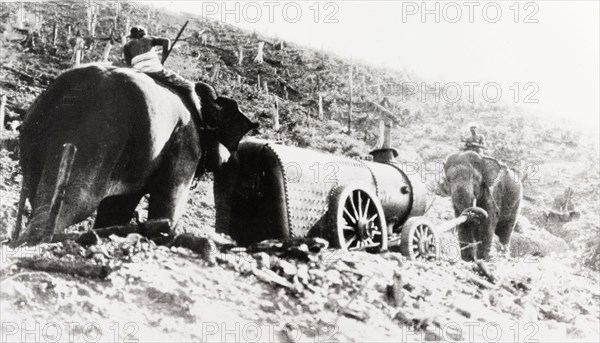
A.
pixel 490 185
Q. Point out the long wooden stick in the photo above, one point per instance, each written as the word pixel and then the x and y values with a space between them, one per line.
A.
pixel 450 224
pixel 20 210
pixel 164 59
pixel 64 173
pixel 79 268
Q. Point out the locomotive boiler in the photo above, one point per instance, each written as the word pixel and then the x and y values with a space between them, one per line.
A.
pixel 271 191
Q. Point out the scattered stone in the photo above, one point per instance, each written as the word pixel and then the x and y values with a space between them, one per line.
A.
pixel 303 272
pixel 271 277
pixel 483 270
pixel 333 277
pixel 263 260
pixel 202 246
pixel 394 292
pixel 288 269
pixel 463 312
pixel 355 314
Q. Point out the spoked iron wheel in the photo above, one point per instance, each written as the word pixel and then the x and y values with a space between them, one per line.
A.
pixel 417 239
pixel 358 219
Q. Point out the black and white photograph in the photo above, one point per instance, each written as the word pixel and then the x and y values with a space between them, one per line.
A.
pixel 300 171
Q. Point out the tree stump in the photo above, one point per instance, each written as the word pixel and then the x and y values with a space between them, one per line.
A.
pixel 241 55
pixel 260 55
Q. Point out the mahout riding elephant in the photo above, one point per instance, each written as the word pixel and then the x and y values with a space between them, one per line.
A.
pixel 134 136
pixel 489 184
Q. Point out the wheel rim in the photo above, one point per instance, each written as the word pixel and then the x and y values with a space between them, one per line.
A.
pixel 422 241
pixel 359 222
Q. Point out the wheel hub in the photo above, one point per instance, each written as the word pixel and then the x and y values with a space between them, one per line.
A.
pixel 423 245
pixel 362 229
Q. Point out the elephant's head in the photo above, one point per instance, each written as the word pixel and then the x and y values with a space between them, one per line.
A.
pixel 224 116
pixel 226 125
pixel 472 179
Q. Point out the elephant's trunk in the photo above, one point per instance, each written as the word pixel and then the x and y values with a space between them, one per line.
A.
pixel 462 198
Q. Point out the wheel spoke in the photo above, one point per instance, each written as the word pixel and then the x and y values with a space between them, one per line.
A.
pixel 373 217
pixel 350 216
pixel 350 241
pixel 354 208
pixel 360 213
pixel 376 233
pixel 366 211
pixel 348 228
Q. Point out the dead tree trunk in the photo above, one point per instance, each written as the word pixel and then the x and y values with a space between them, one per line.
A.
pixel 20 14
pixel 2 114
pixel 318 84
pixel 381 140
pixel 94 21
pixel 320 106
pixel 54 33
pixel 90 14
pixel 78 53
pixel 116 17
pixel 127 26
pixel 350 104
pixel 216 72
pixel 276 125
pixel 387 138
pixel 265 87
pixel 241 55
pixel 259 57
pixel 364 84
pixel 106 52
pixel 69 31
pixel 151 12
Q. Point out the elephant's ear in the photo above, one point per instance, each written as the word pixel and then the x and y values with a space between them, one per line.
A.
pixel 450 161
pixel 232 124
pixel 492 171
pixel 208 97
pixel 457 169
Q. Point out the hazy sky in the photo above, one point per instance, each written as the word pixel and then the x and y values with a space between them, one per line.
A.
pixel 551 51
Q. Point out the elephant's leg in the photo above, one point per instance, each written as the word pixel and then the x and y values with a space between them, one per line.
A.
pixel 486 238
pixel 168 201
pixel 466 239
pixel 169 187
pixel 116 210
pixel 505 228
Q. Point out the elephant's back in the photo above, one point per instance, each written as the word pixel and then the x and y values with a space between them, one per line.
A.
pixel 100 107
pixel 106 93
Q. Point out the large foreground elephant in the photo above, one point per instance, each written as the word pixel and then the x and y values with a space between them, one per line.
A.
pixel 492 186
pixel 133 135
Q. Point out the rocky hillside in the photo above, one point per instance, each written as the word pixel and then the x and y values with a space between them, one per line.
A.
pixel 154 293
